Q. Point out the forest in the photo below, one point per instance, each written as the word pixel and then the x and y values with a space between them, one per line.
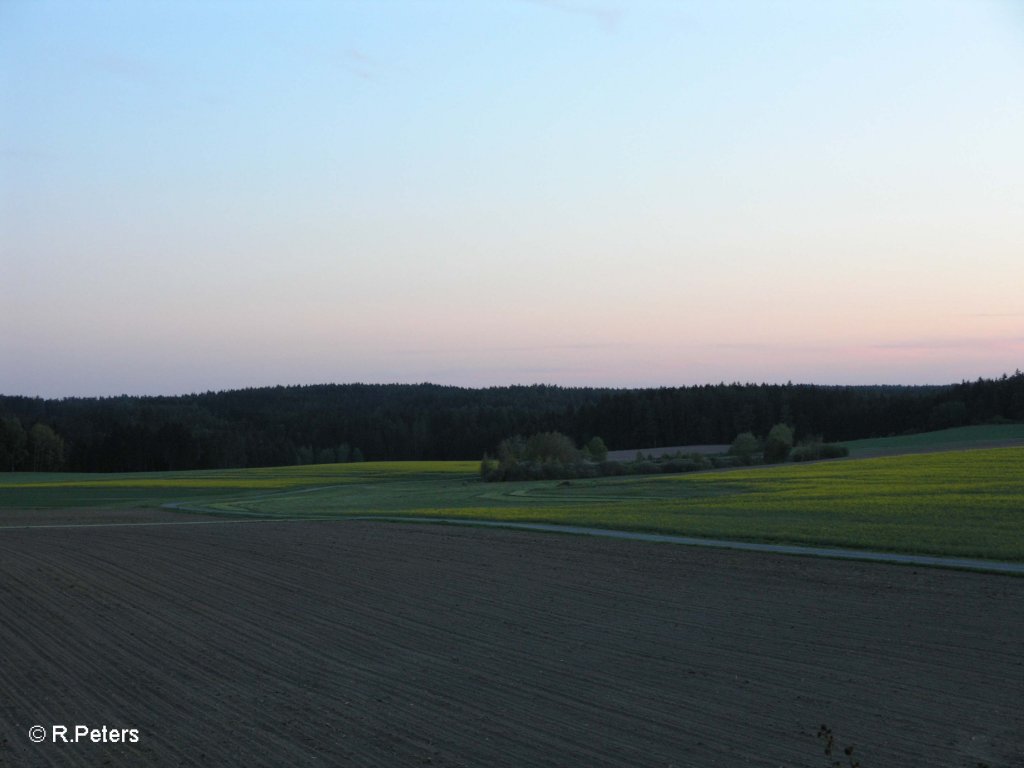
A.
pixel 328 423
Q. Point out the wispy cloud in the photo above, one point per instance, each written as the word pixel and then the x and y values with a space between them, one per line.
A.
pixel 993 314
pixel 931 345
pixel 516 349
pixel 359 64
pixel 607 17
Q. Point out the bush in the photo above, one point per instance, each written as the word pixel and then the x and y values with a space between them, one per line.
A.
pixel 550 447
pixel 510 450
pixel 546 456
pixel 611 468
pixel 805 453
pixel 744 446
pixel 596 449
pixel 778 444
pixel 815 451
pixel 487 467
pixel 551 470
pixel 644 468
pixel 692 463
pixel 701 460
pixel 834 451
pixel 726 462
pixel 584 469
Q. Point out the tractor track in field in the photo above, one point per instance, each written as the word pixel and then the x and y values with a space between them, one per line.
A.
pixel 319 643
pixel 32 519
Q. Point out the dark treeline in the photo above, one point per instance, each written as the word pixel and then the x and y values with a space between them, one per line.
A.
pixel 350 422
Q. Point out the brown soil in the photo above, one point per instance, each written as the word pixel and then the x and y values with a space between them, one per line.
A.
pixel 375 644
pixel 14 518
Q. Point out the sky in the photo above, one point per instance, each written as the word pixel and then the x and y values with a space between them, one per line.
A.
pixel 212 195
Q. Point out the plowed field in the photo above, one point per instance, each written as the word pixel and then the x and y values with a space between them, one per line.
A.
pixel 374 644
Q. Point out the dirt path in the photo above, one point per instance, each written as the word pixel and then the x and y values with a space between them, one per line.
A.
pixel 963 563
pixel 385 644
pixel 14 517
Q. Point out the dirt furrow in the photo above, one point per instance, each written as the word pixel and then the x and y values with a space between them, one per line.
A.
pixel 369 644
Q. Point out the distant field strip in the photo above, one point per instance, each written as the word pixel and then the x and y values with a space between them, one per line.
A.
pixel 959 504
pixel 79 489
pixel 967 504
pixel 954 439
pixel 268 477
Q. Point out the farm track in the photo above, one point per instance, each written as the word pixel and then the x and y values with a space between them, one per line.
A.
pixel 371 644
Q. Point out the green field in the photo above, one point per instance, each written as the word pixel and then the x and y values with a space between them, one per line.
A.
pixel 955 439
pixel 965 503
pixel 50 490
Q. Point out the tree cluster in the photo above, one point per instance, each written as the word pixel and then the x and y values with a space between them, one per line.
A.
pixel 553 456
pixel 545 455
pixel 778 447
pixel 38 449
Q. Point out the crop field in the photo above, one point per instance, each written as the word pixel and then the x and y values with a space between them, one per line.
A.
pixel 961 503
pixel 253 625
pixel 132 489
pixel 967 504
pixel 955 439
pixel 260 643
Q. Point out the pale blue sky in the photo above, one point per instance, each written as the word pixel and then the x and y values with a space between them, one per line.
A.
pixel 203 195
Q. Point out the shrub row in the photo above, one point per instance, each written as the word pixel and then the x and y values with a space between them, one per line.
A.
pixel 817 451
pixel 492 471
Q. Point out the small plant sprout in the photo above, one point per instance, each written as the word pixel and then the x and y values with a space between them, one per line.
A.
pixel 825 734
